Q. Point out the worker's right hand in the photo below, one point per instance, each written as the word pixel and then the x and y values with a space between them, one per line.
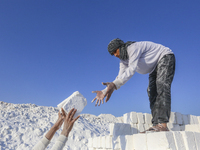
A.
pixel 99 97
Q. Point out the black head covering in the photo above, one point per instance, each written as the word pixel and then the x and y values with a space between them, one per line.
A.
pixel 117 43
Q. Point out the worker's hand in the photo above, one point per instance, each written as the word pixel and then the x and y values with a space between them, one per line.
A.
pixel 68 121
pixel 110 88
pixel 59 121
pixel 100 96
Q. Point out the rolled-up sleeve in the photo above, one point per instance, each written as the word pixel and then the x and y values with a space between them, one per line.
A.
pixel 41 145
pixel 60 143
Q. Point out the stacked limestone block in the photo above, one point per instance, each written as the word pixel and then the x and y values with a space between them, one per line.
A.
pixel 184 135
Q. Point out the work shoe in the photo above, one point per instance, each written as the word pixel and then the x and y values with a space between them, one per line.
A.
pixel 158 128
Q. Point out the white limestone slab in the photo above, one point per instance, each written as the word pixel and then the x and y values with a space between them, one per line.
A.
pixel 198 119
pixel 192 119
pixel 192 127
pixel 172 118
pixel 197 140
pixel 140 117
pixel 127 118
pixel 103 142
pixel 173 127
pixel 161 141
pixel 129 142
pixel 95 145
pixel 189 140
pixel 146 126
pixel 133 117
pixel 99 142
pixel 76 100
pixel 140 127
pixel 179 119
pixel 185 119
pixel 90 142
pixel 117 129
pixel 120 119
pixel 109 142
pixel 134 129
pixel 195 119
pixel 140 142
pixel 179 140
pixel 147 118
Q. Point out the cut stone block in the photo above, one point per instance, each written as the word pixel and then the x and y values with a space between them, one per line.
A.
pixel 195 119
pixel 198 119
pixel 127 118
pixel 134 129
pixel 109 142
pixel 129 142
pixel 140 142
pixel 117 129
pixel 140 117
pixel 103 142
pixel 179 141
pixel 185 119
pixel 172 118
pixel 173 127
pixel 120 119
pixel 179 119
pixel 133 117
pixel 192 127
pixel 116 143
pixel 197 140
pixel 90 142
pixel 189 140
pixel 161 141
pixel 76 100
pixel 140 127
pixel 147 118
pixel 95 140
pixel 146 126
pixel 99 142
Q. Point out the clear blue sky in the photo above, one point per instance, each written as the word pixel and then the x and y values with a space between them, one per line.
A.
pixel 50 49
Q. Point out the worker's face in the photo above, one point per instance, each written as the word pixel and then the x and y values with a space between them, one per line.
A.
pixel 116 53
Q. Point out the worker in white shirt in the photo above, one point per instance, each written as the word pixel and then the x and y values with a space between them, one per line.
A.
pixel 144 57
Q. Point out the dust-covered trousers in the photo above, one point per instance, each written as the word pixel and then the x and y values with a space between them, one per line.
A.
pixel 159 89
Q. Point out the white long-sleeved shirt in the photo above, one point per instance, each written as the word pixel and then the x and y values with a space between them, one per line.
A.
pixel 143 58
pixel 60 143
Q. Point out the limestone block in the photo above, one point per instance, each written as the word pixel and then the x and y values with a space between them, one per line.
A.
pixel 195 119
pixel 140 117
pixel 116 143
pixel 179 141
pixel 76 100
pixel 95 140
pixel 146 126
pixel 189 140
pixel 140 127
pixel 129 142
pixel 91 148
pixel 127 118
pixel 161 141
pixel 198 119
pixel 147 118
pixel 120 119
pixel 108 142
pixel 173 127
pixel 185 119
pixel 178 117
pixel 99 142
pixel 140 142
pixel 103 142
pixel 172 118
pixel 134 129
pixel 117 129
pixel 192 127
pixel 90 142
pixel 197 140
pixel 133 117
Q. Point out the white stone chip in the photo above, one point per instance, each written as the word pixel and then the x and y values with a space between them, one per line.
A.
pixel 172 118
pixel 185 119
pixel 140 142
pixel 117 129
pixel 161 141
pixel 179 119
pixel 76 100
pixel 140 117
pixel 189 140
pixel 179 140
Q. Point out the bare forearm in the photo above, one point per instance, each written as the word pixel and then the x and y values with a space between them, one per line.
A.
pixel 51 133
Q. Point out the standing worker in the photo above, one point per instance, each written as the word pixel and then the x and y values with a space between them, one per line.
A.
pixel 144 57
